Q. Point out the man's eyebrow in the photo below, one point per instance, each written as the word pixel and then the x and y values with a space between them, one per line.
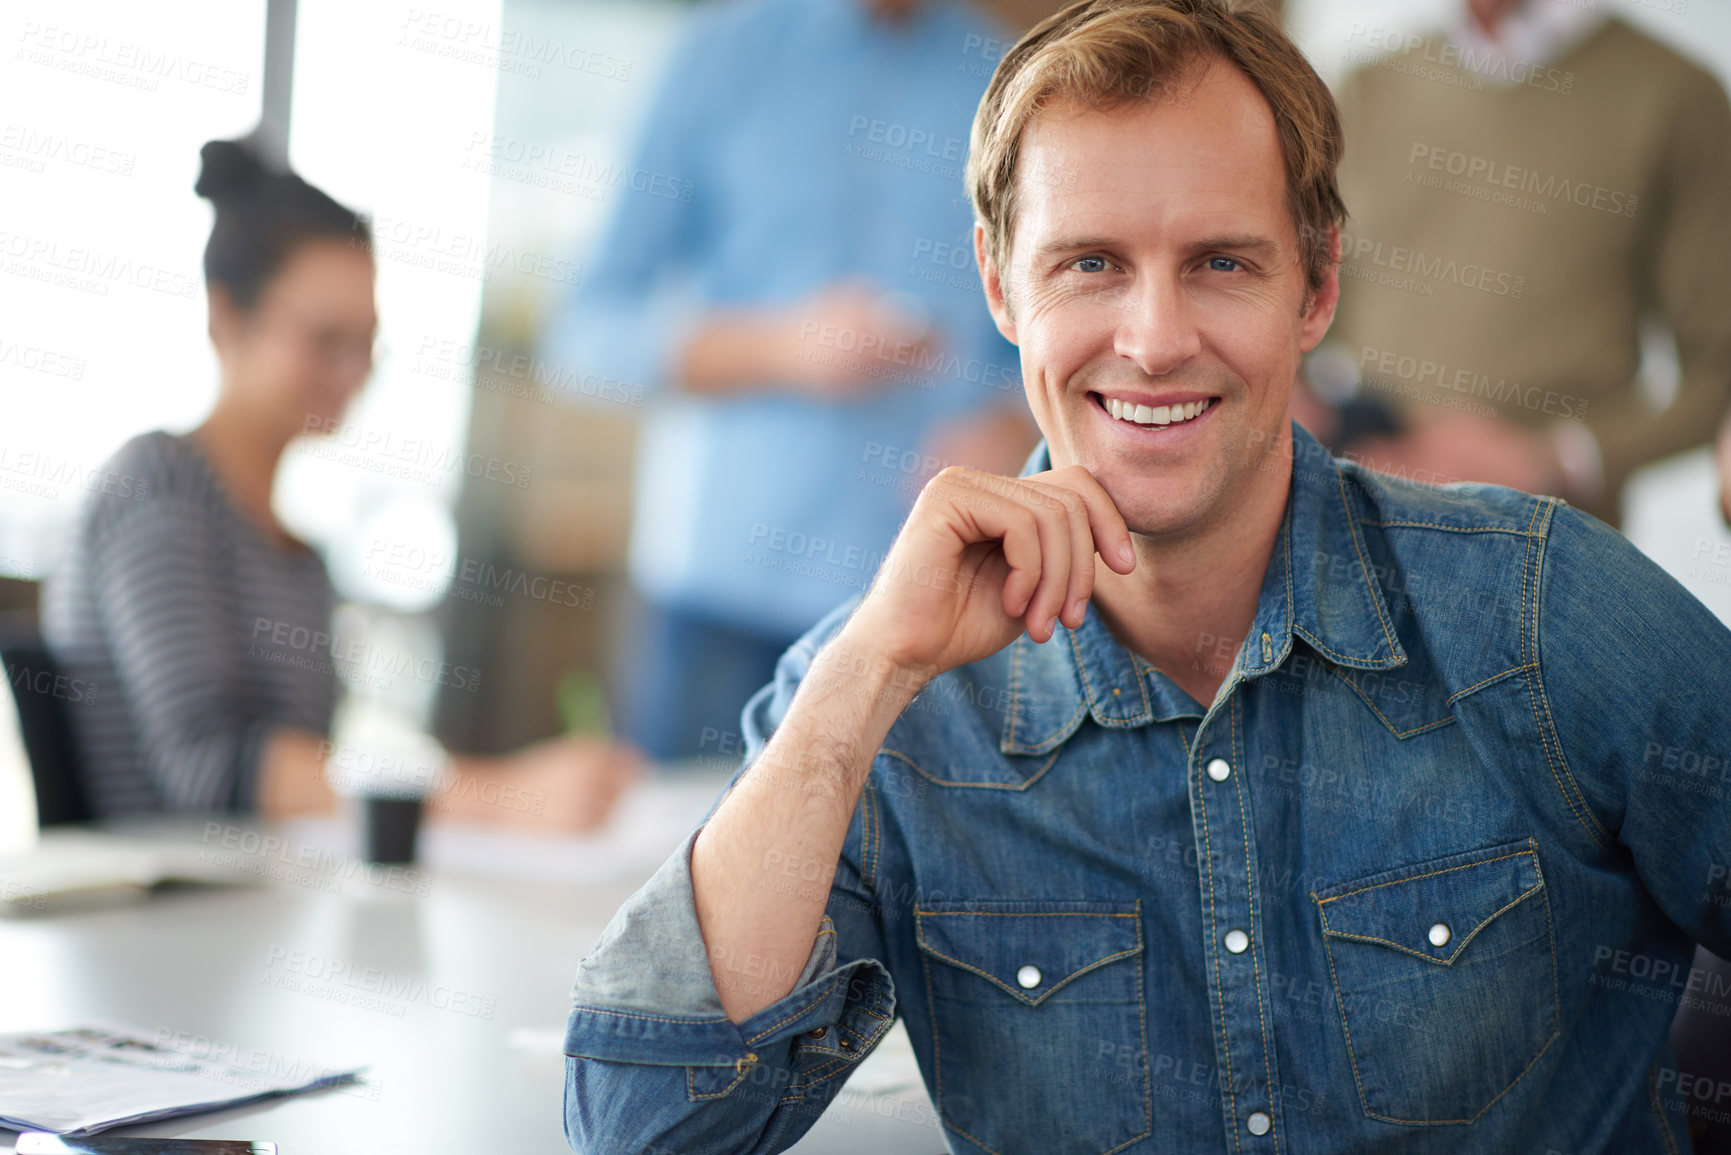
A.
pixel 1241 242
pixel 1071 244
pixel 1238 242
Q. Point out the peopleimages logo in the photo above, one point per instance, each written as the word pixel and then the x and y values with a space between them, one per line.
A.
pixel 1497 175
pixel 468 255
pixel 583 169
pixel 1369 255
pixel 49 684
pixel 521 51
pixel 36 149
pixel 368 988
pixel 135 65
pixel 293 644
pixel 41 475
pixel 88 269
pixel 382 451
pixel 1420 371
pixel 1480 65
pixel 258 853
pixel 915 363
pixel 37 359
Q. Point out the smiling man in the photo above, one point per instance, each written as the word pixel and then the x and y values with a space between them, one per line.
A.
pixel 1192 791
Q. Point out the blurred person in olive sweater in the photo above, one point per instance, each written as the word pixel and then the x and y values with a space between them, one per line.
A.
pixel 1527 188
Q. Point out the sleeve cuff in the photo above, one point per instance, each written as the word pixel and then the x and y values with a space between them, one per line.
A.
pixel 852 1005
pixel 646 993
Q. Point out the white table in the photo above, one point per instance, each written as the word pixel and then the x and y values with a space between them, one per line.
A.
pixel 462 1047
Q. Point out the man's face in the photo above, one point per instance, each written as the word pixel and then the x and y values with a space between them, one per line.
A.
pixel 1155 265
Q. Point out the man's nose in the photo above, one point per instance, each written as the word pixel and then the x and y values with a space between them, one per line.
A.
pixel 1158 330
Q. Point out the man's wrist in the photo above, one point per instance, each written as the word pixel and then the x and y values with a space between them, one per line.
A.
pixel 851 664
pixel 845 705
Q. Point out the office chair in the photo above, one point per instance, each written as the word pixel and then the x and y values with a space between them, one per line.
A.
pixel 42 697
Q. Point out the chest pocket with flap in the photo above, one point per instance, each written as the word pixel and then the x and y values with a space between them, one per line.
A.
pixel 1038 1023
pixel 1445 976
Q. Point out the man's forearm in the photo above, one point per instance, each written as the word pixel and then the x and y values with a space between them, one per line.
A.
pixel 762 867
pixel 732 352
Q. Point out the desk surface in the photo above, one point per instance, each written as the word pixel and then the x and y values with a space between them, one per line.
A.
pixel 460 1042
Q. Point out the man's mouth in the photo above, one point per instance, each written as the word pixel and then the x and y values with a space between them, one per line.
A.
pixel 1154 416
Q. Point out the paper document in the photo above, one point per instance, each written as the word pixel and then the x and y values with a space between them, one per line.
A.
pixel 89 1079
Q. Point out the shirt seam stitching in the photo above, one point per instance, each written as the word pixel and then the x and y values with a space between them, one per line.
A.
pixel 1537 698
pixel 1416 877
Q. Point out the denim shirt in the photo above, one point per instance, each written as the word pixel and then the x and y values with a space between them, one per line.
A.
pixel 1423 877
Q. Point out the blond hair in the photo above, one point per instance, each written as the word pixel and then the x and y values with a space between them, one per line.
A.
pixel 1103 54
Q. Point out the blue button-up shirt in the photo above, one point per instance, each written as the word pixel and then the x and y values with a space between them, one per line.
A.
pixel 1423 877
pixel 792 145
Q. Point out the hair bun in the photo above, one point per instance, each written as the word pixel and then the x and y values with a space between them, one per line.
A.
pixel 231 171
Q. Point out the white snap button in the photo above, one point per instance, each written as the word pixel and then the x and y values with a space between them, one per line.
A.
pixel 1258 1123
pixel 1237 941
pixel 1029 977
pixel 1440 934
pixel 1219 769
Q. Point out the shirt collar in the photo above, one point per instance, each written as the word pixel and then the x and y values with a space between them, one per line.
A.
pixel 1319 587
pixel 1529 36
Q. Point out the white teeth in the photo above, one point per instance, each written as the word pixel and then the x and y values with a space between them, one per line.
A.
pixel 1156 415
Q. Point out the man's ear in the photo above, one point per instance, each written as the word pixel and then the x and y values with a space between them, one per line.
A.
pixel 1319 311
pixel 996 299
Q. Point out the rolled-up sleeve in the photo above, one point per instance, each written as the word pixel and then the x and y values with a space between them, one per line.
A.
pixel 654 1064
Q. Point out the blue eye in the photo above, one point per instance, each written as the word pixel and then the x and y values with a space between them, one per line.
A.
pixel 1223 264
pixel 1099 264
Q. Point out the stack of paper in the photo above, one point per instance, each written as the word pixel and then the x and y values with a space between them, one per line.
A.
pixel 88 1079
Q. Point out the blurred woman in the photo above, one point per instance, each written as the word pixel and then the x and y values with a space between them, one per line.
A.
pixel 177 585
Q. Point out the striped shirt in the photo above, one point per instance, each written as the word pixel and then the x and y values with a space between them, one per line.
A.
pixel 200 635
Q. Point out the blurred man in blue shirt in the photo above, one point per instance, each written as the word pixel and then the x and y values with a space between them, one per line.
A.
pixel 794 282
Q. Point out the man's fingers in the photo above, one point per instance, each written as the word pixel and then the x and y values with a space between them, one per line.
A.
pixel 988 508
pixel 1056 547
pixel 993 516
pixel 1105 524
pixel 1080 579
pixel 1050 527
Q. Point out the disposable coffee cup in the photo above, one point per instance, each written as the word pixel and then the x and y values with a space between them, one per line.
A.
pixel 389 768
pixel 389 826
